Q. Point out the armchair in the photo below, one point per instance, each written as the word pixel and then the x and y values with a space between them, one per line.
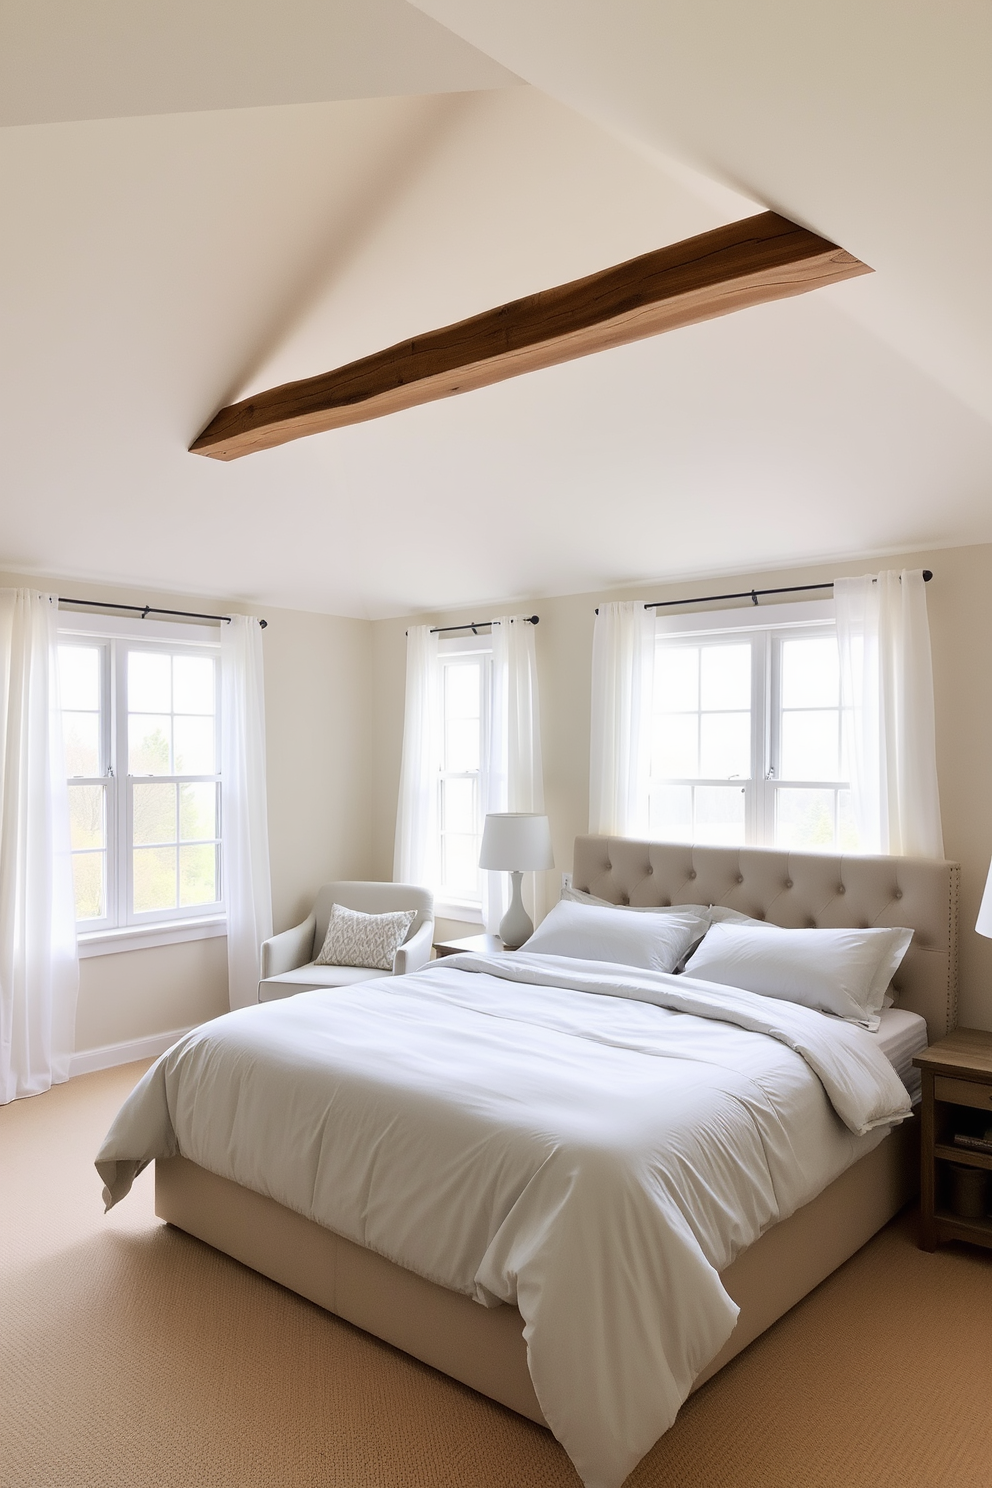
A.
pixel 288 959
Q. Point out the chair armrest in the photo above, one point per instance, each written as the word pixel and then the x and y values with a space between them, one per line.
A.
pixel 289 950
pixel 415 952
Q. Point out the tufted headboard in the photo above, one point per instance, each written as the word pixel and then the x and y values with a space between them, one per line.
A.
pixel 799 890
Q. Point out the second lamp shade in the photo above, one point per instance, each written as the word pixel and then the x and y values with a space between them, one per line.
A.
pixel 516 840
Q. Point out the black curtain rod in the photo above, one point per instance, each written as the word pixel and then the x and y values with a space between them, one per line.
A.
pixel 476 625
pixel 752 594
pixel 145 610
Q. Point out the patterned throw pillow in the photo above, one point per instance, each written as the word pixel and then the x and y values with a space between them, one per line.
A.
pixel 356 939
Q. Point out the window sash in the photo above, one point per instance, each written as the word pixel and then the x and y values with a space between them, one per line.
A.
pixel 764 788
pixel 118 783
pixel 453 652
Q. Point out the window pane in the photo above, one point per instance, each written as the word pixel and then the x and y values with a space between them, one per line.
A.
pixel 154 813
pixel 671 813
pixel 148 744
pixel 461 690
pixel 460 865
pixel 810 746
pixel 719 814
pixel 725 745
pixel 149 682
pixel 810 676
pixel 804 818
pixel 193 684
pixel 81 740
pixel 198 875
pixel 676 747
pixel 89 884
pixel 458 806
pixel 677 678
pixel 725 676
pixel 194 746
pixel 461 744
pixel 79 677
pixel 847 826
pixel 154 878
pixel 87 820
pixel 197 812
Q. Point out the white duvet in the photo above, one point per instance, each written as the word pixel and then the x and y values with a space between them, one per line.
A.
pixel 589 1142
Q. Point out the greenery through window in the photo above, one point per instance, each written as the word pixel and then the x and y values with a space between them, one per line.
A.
pixel 140 730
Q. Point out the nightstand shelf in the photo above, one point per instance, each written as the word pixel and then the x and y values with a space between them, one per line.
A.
pixel 957 1100
pixel 954 1227
pixel 963 1155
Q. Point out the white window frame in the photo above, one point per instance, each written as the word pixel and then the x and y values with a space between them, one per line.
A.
pixel 120 929
pixel 470 648
pixel 771 624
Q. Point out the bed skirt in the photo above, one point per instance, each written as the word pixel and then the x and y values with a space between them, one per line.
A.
pixel 484 1347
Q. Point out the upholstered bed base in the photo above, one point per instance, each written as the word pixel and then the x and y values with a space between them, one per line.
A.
pixel 484 1347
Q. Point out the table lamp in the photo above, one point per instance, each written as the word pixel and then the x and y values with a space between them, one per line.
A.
pixel 516 842
pixel 984 922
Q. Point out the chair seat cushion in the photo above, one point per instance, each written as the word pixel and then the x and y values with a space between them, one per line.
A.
pixel 312 977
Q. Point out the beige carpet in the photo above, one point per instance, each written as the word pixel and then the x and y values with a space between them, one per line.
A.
pixel 133 1355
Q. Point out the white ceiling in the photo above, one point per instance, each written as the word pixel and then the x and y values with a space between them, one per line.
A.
pixel 62 60
pixel 186 223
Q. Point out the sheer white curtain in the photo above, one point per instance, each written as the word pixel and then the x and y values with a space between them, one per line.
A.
pixel 887 687
pixel 513 777
pixel 415 852
pixel 39 972
pixel 623 648
pixel 245 835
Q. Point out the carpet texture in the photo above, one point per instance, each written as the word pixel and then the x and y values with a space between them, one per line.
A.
pixel 132 1355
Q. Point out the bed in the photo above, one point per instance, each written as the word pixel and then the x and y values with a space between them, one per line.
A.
pixel 485 1347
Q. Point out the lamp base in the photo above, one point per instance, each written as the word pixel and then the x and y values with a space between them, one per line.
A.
pixel 516 926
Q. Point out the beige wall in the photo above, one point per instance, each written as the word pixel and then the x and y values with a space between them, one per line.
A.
pixel 318 721
pixel 961 629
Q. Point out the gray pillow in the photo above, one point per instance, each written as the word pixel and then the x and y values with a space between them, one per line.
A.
pixel 372 940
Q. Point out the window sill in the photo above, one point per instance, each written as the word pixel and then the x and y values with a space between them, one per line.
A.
pixel 145 937
pixel 449 909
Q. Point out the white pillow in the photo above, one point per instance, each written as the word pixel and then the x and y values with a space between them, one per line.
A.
pixel 356 939
pixel 593 932
pixel 719 914
pixel 844 972
pixel 579 896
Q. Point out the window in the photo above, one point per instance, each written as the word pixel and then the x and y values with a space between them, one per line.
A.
pixel 465 673
pixel 140 729
pixel 748 731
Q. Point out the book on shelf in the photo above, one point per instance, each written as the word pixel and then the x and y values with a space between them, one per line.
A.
pixel 973 1143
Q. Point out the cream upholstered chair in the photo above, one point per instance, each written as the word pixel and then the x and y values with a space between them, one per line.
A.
pixel 288 959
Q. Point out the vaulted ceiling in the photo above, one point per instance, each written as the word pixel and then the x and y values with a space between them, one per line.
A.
pixel 204 200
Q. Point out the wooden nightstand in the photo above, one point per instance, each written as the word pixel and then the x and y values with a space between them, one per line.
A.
pixel 484 945
pixel 957 1092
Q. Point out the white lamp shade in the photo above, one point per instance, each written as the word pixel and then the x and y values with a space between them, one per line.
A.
pixel 516 841
pixel 984 922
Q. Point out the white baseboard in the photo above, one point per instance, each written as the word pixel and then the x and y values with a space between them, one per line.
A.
pixel 85 1061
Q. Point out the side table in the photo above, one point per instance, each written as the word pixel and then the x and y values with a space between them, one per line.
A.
pixel 956 1132
pixel 483 945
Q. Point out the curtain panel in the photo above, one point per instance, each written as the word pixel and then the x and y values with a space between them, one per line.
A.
pixel 513 776
pixel 886 677
pixel 415 850
pixel 245 835
pixel 39 971
pixel 620 726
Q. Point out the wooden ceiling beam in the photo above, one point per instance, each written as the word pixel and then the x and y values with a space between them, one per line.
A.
pixel 746 263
